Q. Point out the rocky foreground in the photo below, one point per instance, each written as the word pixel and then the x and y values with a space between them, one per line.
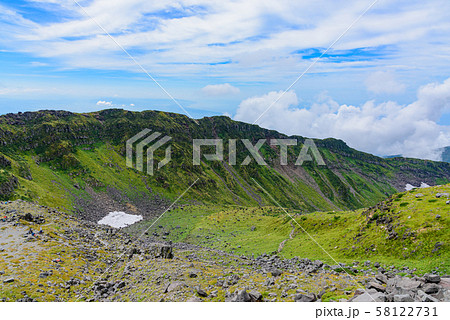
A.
pixel 46 255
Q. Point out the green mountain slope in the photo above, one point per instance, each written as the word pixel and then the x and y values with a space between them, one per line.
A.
pixel 77 162
pixel 408 229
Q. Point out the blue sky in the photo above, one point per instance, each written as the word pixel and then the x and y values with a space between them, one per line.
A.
pixel 222 57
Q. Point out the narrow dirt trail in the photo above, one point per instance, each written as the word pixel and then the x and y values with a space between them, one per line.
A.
pixel 291 236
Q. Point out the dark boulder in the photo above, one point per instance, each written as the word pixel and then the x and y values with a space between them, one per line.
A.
pixel 307 297
pixel 432 278
pixel 166 252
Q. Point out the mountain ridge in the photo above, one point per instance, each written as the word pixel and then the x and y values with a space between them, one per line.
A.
pixel 84 155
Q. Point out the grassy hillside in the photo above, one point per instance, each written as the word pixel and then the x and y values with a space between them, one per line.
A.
pixel 77 261
pixel 408 229
pixel 76 162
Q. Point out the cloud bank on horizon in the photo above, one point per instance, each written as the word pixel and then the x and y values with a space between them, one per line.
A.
pixel 385 129
pixel 382 87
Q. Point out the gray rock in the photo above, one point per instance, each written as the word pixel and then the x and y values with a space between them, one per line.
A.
pixel 8 280
pixel 175 286
pixel 255 295
pixel 431 288
pixel 419 195
pixel 307 297
pixel 404 285
pixel 201 292
pixel 425 297
pixel 442 195
pixel 214 293
pixel 194 299
pixel 276 272
pixel 369 297
pixel 359 291
pixel 232 279
pixel 120 285
pixel 25 299
pixel 382 278
pixel 241 296
pixel 376 286
pixel 432 278
pixel 166 252
pixel 269 282
pixel 445 282
pixel 403 298
pixel 446 296
pixel 45 274
pixel 253 228
pixel 318 263
pixel 193 273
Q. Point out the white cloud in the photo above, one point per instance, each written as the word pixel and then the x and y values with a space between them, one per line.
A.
pixel 220 89
pixel 242 30
pixel 384 82
pixel 384 129
pixel 17 91
pixel 259 42
pixel 104 103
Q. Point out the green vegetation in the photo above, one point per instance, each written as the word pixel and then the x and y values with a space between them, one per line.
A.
pixel 73 261
pixel 70 161
pixel 392 233
pixel 60 157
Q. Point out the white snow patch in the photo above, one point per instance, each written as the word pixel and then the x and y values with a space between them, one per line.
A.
pixel 119 219
pixel 409 187
pixel 424 185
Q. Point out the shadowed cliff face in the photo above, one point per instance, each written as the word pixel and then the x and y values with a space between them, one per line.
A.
pixel 77 162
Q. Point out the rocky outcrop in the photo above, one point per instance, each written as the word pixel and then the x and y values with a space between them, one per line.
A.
pixel 4 163
pixel 7 186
